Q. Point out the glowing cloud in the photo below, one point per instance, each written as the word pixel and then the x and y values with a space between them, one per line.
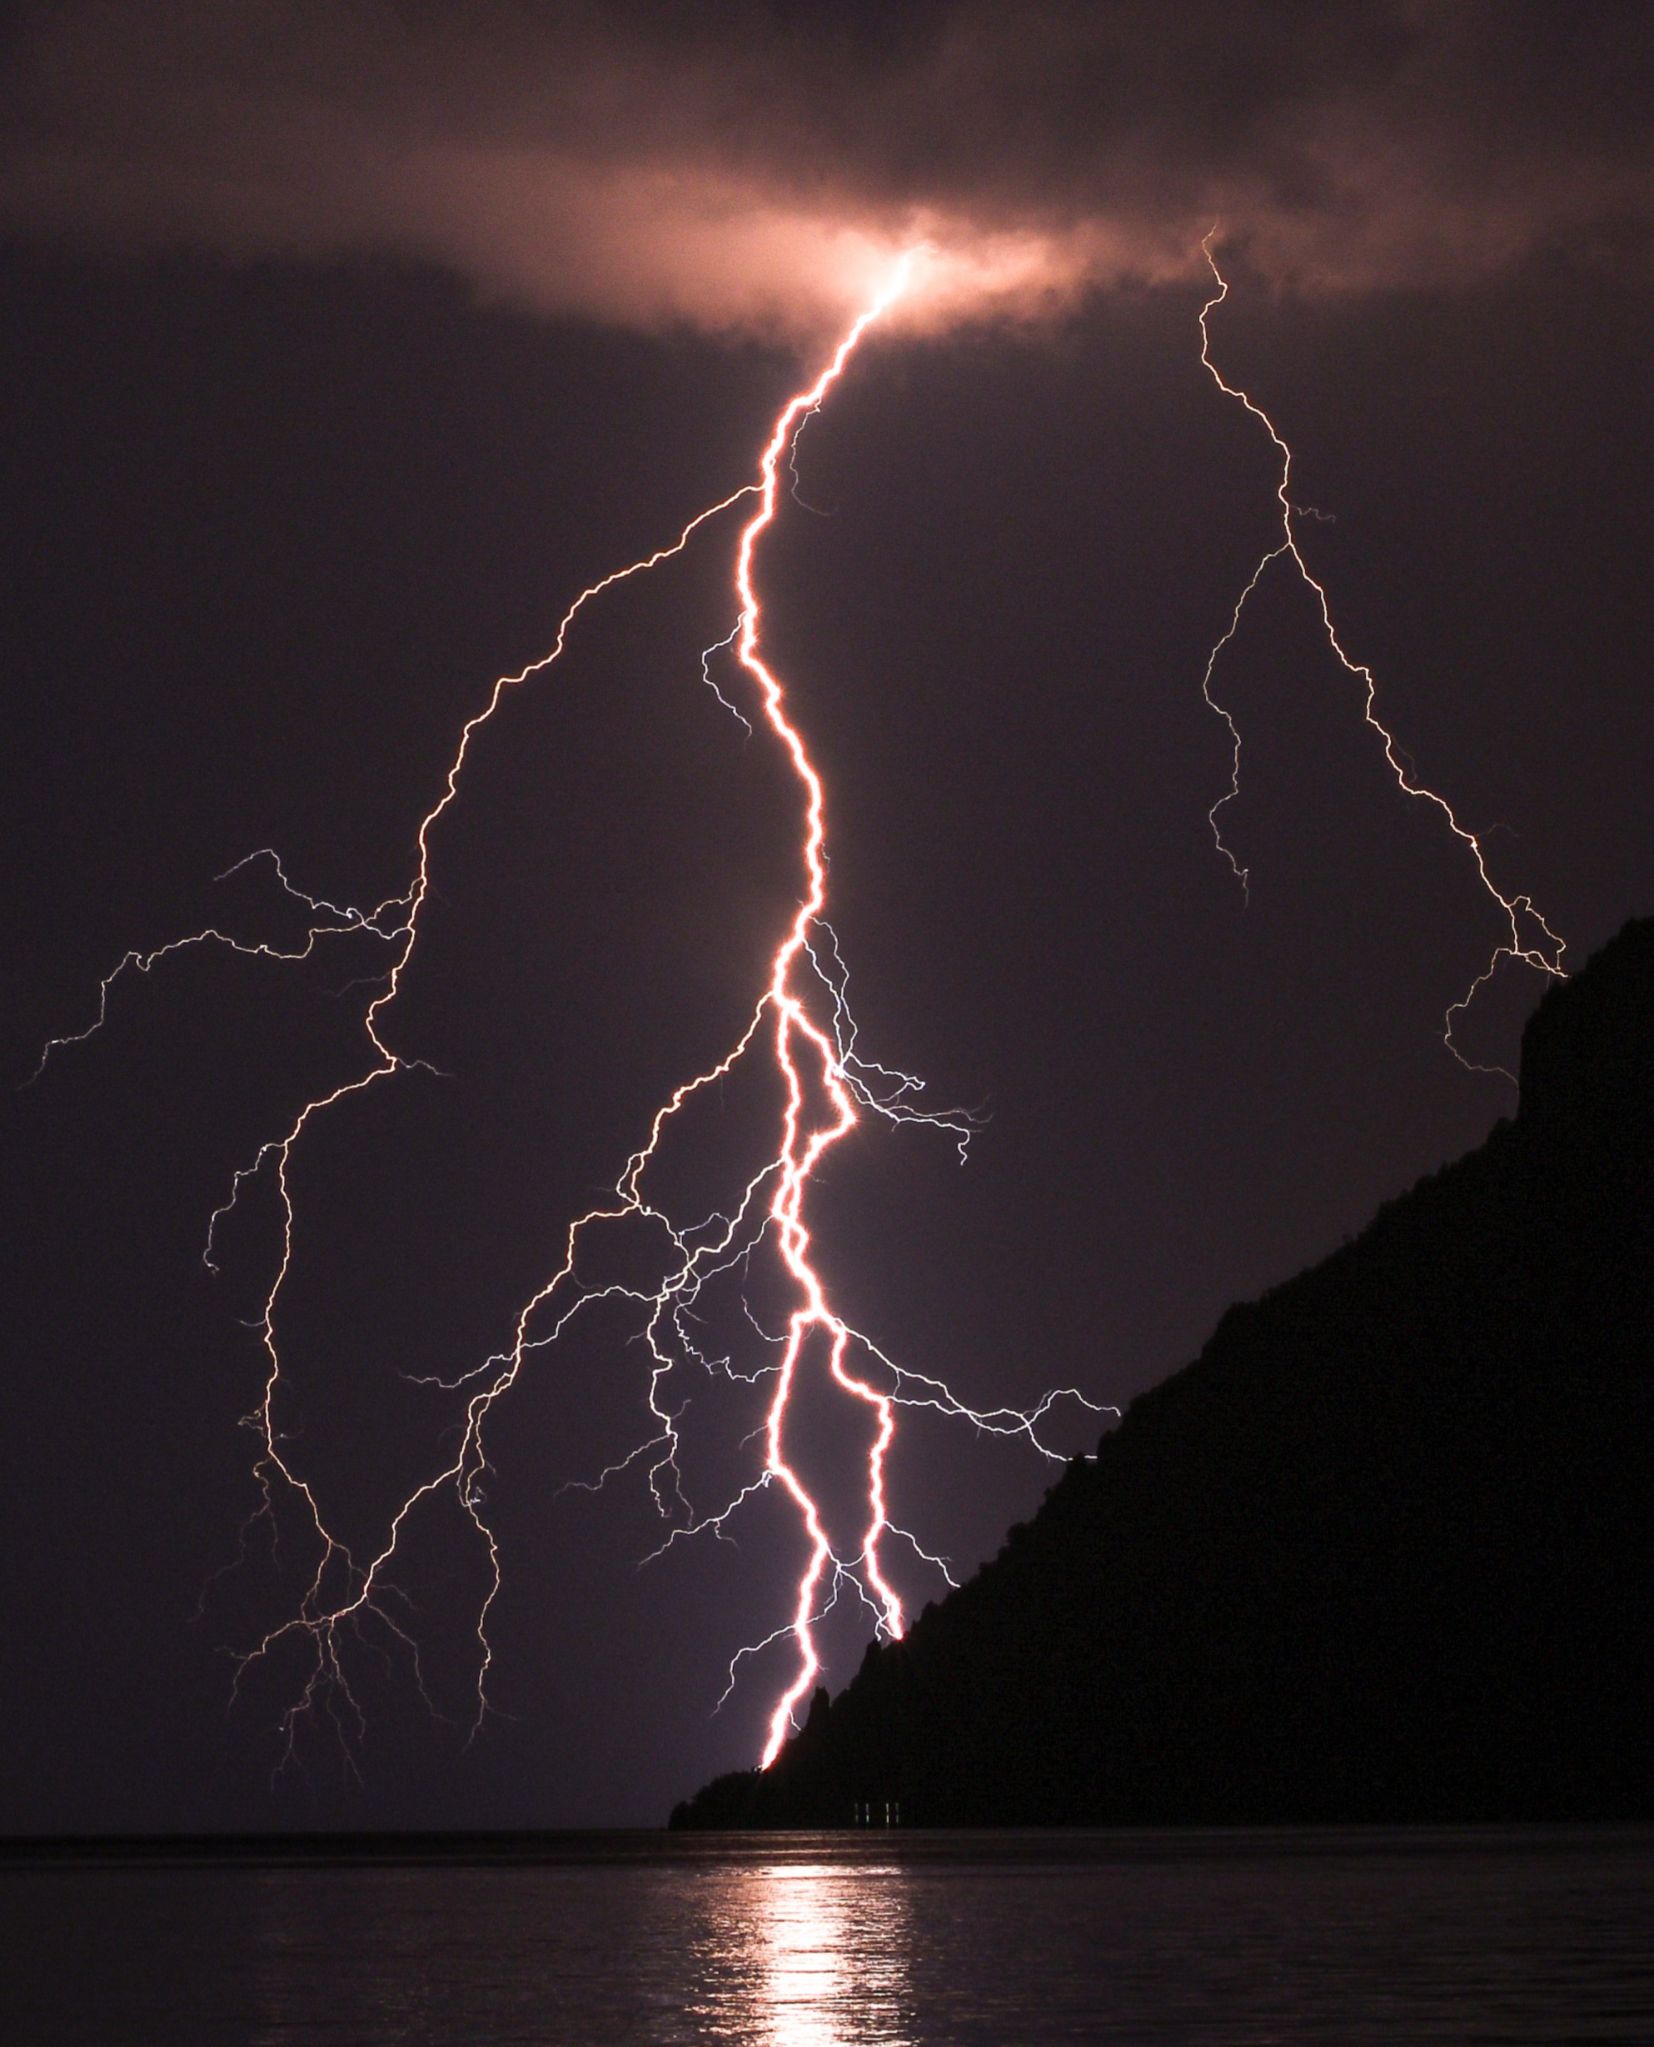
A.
pixel 724 169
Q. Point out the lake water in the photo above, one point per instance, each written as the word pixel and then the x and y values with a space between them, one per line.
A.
pixel 835 1940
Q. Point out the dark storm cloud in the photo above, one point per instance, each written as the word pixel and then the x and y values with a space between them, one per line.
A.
pixel 754 166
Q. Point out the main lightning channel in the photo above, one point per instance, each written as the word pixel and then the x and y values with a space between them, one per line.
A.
pixel 798 1036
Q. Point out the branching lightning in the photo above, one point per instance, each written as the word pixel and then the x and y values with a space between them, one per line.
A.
pixel 1537 946
pixel 802 1019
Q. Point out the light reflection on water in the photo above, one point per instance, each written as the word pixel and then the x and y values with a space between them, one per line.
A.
pixel 1379 1939
pixel 835 1945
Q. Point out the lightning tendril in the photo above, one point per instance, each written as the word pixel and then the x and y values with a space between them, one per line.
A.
pixel 1527 938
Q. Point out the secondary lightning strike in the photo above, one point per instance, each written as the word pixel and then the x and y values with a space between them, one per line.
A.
pixel 825 1083
pixel 1543 952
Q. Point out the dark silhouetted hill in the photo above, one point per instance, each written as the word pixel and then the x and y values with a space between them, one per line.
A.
pixel 1380 1553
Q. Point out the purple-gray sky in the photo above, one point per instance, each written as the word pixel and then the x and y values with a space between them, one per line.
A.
pixel 352 342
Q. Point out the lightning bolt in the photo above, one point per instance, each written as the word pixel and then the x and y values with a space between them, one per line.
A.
pixel 1527 937
pixel 803 1019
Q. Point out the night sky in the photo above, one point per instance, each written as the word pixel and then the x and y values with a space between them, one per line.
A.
pixel 347 345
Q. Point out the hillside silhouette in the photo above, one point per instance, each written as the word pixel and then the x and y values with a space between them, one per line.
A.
pixel 1380 1553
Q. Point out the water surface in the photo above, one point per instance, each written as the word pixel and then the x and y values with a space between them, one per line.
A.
pixel 847 1940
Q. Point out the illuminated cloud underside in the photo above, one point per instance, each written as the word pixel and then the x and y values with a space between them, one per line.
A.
pixel 740 175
